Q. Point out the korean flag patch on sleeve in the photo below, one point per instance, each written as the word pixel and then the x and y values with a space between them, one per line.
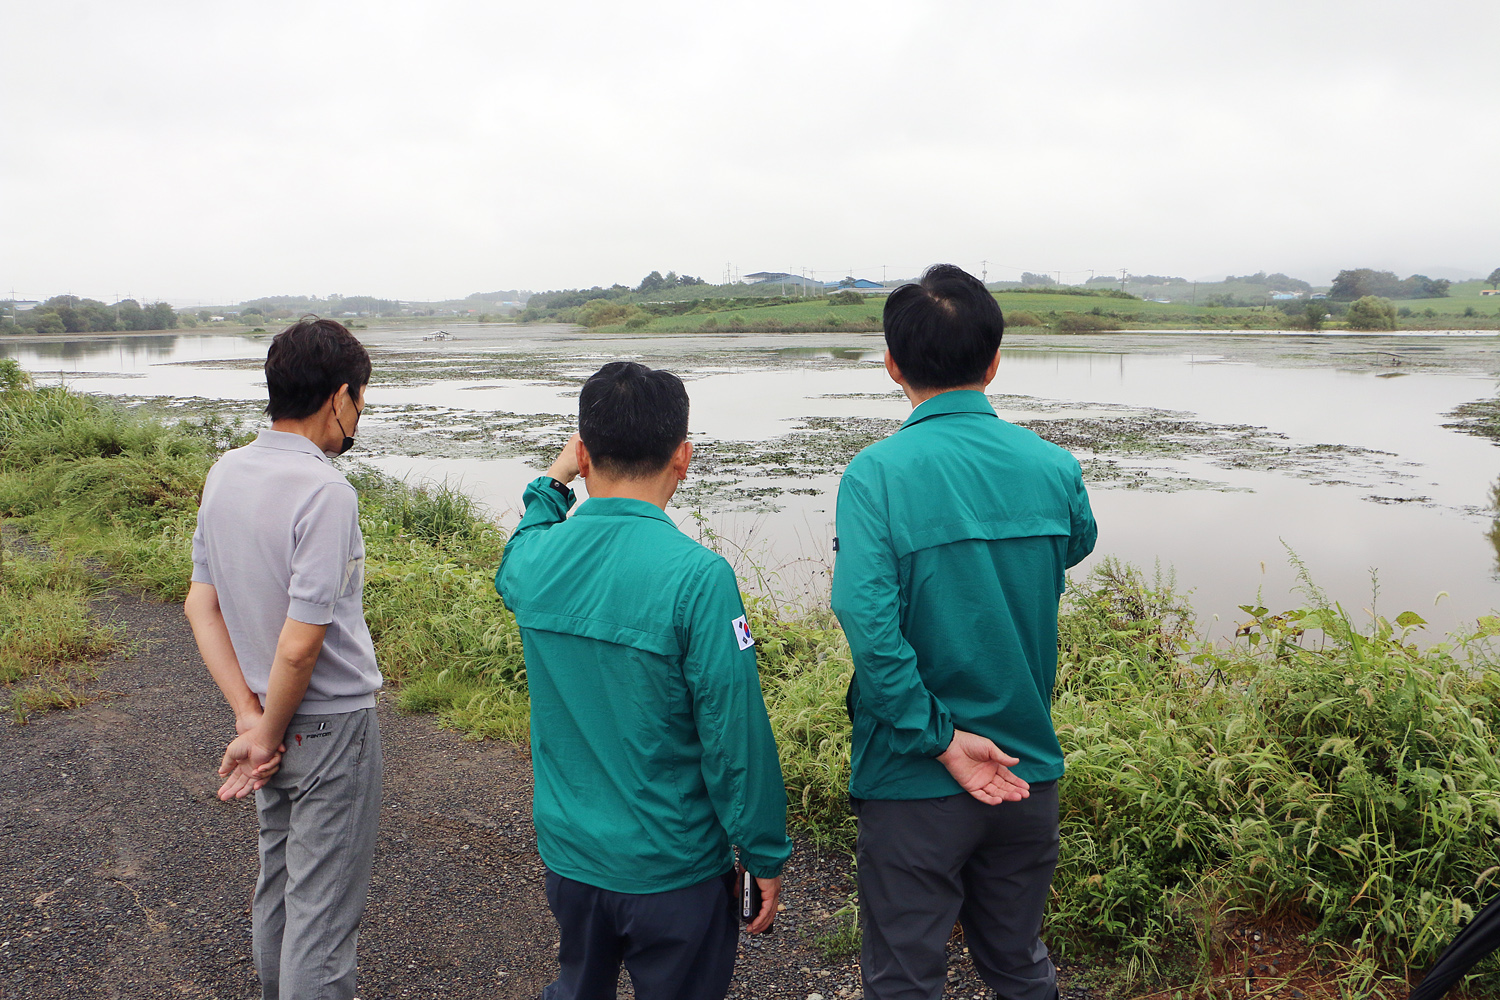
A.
pixel 742 632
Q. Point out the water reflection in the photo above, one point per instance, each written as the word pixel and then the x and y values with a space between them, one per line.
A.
pixel 1494 533
pixel 136 349
pixel 842 353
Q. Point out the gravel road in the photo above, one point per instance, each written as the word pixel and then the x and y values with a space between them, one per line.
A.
pixel 122 876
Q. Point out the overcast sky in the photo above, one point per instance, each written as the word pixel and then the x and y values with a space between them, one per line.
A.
pixel 210 152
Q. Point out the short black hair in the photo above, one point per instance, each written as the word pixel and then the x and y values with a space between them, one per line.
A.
pixel 306 364
pixel 943 331
pixel 632 418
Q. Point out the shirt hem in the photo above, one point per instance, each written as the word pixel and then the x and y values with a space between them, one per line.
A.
pixel 902 791
pixel 638 887
pixel 331 706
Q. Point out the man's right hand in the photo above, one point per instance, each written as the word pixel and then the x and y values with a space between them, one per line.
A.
pixel 770 888
pixel 565 468
pixel 983 769
pixel 247 766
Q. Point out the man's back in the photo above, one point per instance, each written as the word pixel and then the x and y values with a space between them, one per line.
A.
pixel 279 537
pixel 649 739
pixel 953 537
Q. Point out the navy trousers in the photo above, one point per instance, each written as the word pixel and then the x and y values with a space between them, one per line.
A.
pixel 676 945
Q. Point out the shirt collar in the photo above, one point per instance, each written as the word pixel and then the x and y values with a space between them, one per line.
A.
pixel 287 441
pixel 952 401
pixel 621 507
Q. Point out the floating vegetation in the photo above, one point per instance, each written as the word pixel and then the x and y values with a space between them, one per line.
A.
pixel 1480 418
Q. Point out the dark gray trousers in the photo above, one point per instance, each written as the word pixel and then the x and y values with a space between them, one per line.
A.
pixel 926 863
pixel 676 945
pixel 318 820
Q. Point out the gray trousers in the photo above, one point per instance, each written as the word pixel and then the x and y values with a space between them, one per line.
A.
pixel 926 863
pixel 318 819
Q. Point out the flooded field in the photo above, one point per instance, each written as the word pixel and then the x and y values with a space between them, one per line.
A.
pixel 1211 455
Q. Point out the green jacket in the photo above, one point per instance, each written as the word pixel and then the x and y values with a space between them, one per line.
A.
pixel 650 743
pixel 953 537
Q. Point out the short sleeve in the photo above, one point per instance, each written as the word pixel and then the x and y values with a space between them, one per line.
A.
pixel 324 556
pixel 201 571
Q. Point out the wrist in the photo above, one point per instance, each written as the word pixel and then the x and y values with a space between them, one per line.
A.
pixel 561 475
pixel 262 736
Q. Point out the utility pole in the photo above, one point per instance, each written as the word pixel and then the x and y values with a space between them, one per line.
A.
pixel 984 275
pixel 1122 278
pixel 882 274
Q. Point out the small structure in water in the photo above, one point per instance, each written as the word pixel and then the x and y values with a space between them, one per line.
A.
pixel 439 335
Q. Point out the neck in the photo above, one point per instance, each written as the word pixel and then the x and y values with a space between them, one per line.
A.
pixel 656 489
pixel 312 428
pixel 920 396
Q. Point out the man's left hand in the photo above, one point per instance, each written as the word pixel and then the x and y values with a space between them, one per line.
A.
pixel 983 769
pixel 770 889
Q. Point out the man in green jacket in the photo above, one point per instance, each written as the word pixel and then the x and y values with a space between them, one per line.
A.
pixel 953 537
pixel 651 748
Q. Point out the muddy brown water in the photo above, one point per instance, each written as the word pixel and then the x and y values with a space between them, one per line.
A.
pixel 1211 456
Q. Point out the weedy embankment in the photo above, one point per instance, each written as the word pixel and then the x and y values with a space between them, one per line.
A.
pixel 1335 787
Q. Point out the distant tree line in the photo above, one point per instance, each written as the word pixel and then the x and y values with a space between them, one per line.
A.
pixel 292 306
pixel 71 314
pixel 655 282
pixel 546 305
pixel 1360 282
pixel 1277 282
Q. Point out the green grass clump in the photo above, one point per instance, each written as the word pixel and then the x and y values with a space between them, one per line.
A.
pixel 48 639
pixel 805 670
pixel 1344 776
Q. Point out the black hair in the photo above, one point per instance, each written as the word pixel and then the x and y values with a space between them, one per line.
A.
pixel 632 418
pixel 943 331
pixel 306 364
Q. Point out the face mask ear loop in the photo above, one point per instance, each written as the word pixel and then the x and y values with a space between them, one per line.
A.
pixel 348 438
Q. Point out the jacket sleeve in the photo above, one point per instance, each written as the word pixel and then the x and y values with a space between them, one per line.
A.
pixel 867 600
pixel 1084 531
pixel 544 508
pixel 739 764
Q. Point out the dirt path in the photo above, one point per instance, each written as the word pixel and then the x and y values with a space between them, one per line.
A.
pixel 122 876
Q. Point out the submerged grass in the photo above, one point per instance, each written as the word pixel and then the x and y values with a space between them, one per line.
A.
pixel 1340 779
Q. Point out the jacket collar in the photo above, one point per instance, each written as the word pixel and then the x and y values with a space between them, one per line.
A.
pixel 621 507
pixel 952 401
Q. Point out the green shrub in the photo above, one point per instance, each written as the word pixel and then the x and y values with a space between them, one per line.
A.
pixel 1023 317
pixel 1072 322
pixel 846 297
pixel 1372 313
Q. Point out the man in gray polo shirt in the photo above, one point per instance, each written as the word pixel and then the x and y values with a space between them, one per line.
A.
pixel 275 604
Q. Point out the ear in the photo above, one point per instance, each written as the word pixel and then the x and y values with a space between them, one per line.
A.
pixel 893 371
pixel 583 459
pixel 680 459
pixel 989 373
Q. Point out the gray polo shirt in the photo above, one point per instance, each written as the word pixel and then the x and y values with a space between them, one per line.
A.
pixel 278 537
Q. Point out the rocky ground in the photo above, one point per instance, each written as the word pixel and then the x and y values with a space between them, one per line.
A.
pixel 123 876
